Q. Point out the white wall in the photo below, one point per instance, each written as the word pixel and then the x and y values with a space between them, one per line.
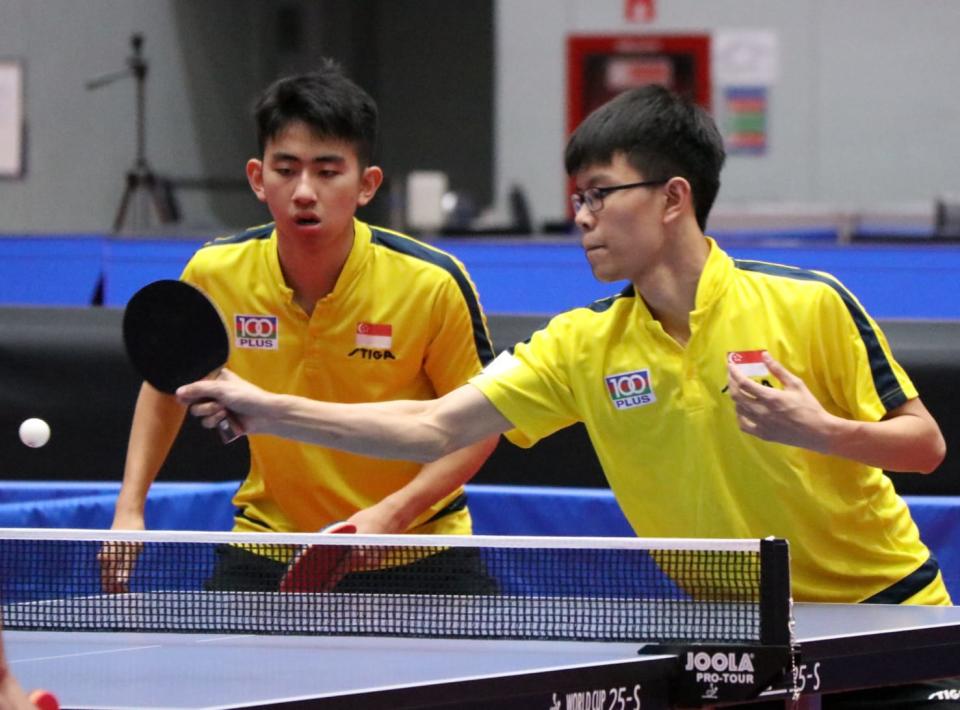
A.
pixel 80 143
pixel 427 61
pixel 864 115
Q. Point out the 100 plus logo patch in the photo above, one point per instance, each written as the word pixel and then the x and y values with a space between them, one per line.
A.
pixel 630 389
pixel 256 332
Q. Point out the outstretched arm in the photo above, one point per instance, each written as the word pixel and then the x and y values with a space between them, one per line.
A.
pixel 407 430
pixel 435 481
pixel 906 439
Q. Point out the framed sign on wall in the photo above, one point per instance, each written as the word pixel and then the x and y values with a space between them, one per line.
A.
pixel 601 66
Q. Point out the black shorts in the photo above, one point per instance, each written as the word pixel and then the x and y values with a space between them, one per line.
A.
pixel 455 570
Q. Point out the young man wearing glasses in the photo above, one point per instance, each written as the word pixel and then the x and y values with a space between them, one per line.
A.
pixel 724 398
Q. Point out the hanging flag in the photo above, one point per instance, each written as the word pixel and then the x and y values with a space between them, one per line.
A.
pixel 746 124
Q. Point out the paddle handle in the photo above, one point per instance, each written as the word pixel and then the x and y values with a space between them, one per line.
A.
pixel 228 430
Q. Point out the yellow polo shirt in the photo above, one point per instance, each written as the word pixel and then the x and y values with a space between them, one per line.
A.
pixel 666 434
pixel 403 322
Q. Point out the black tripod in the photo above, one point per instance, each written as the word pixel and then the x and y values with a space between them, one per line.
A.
pixel 142 183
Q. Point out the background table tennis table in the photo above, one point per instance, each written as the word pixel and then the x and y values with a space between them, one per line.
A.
pixel 840 647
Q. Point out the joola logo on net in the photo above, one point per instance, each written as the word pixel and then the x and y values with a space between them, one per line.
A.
pixel 729 668
pixel 256 332
pixel 630 389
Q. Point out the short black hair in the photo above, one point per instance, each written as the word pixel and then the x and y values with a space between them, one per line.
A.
pixel 661 134
pixel 327 101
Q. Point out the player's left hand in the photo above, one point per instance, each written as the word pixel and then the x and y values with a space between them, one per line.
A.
pixel 790 416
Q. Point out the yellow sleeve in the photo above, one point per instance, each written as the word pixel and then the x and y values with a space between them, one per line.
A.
pixel 530 386
pixel 859 372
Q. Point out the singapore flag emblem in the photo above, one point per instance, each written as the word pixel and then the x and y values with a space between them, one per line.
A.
pixel 374 335
pixel 749 362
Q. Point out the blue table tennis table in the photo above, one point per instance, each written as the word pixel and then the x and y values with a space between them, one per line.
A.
pixel 838 647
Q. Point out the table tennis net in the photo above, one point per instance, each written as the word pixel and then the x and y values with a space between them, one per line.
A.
pixel 416 586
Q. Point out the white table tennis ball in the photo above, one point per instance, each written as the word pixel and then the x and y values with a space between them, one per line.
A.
pixel 34 432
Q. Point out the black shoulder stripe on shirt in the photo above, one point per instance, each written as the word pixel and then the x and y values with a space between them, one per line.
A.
pixel 261 232
pixel 885 382
pixel 603 304
pixel 543 324
pixel 407 246
pixel 598 306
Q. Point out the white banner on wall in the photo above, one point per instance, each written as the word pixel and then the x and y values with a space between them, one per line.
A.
pixel 745 57
pixel 11 118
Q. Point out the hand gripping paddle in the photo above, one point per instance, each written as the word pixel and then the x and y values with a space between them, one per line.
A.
pixel 174 335
pixel 318 568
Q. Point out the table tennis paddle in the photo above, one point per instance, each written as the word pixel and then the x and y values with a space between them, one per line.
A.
pixel 44 700
pixel 174 335
pixel 318 568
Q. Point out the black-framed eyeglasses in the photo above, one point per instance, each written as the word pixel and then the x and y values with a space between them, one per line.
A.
pixel 592 197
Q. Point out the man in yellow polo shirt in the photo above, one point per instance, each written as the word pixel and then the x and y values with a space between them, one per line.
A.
pixel 323 305
pixel 724 398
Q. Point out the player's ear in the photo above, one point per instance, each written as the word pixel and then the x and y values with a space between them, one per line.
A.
pixel 255 178
pixel 679 199
pixel 370 182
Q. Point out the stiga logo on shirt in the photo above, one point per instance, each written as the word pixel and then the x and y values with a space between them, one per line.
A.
pixel 256 332
pixel 630 389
